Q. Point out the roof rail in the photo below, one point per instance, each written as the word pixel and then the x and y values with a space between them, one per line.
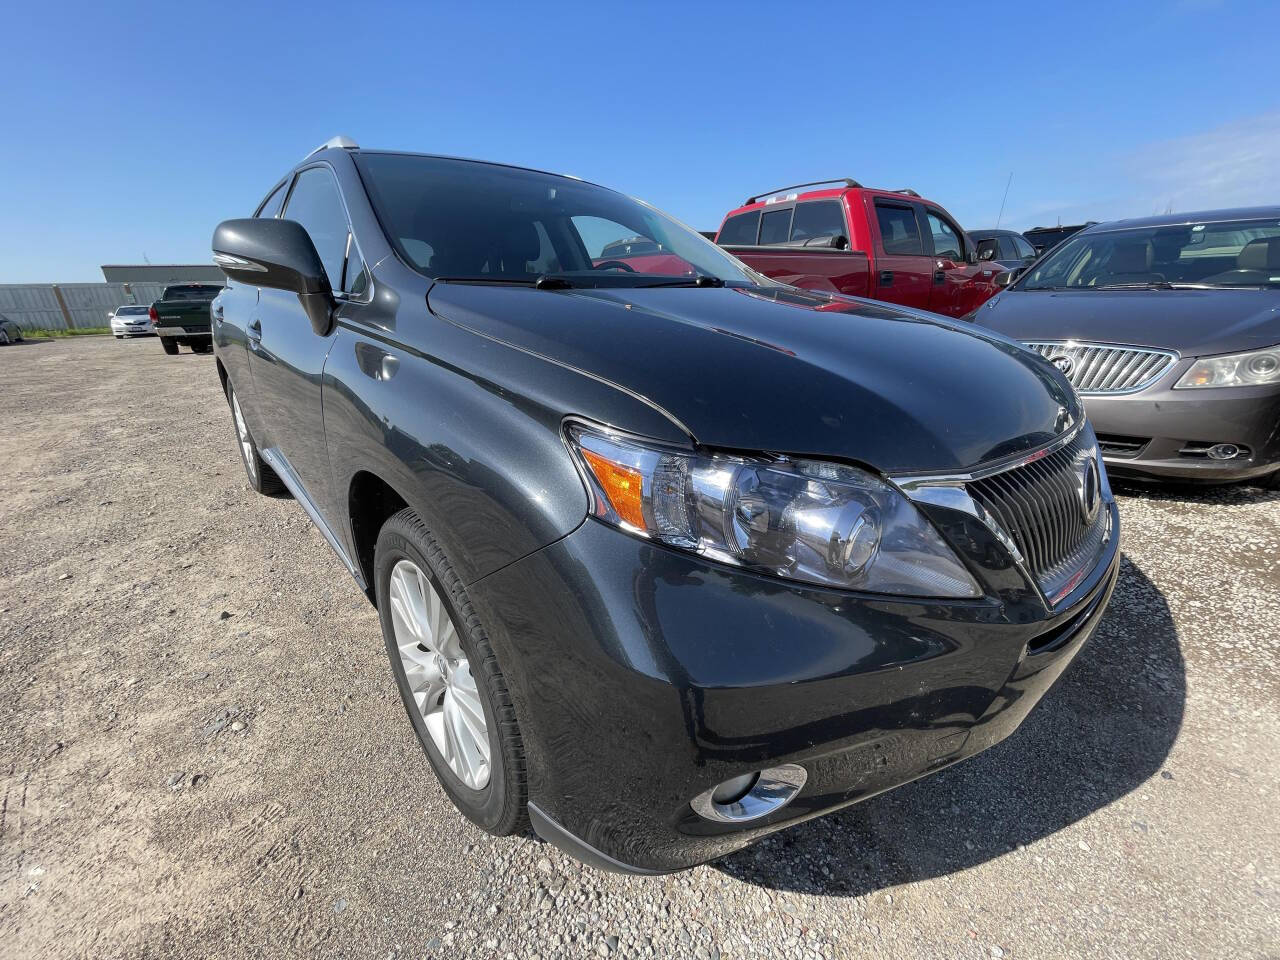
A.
pixel 907 191
pixel 345 143
pixel 795 186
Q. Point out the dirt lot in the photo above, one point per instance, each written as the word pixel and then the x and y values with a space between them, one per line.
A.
pixel 203 755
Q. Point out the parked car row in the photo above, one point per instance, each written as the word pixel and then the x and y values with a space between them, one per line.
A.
pixel 668 554
pixel 181 317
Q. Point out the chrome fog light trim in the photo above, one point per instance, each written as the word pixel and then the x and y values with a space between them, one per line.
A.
pixel 772 790
pixel 1223 451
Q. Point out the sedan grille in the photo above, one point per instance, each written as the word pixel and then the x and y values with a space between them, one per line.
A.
pixel 1044 505
pixel 1103 368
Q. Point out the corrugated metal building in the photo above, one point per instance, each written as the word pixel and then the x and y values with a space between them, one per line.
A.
pixel 57 306
pixel 162 273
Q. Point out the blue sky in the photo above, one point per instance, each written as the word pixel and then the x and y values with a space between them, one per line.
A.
pixel 133 129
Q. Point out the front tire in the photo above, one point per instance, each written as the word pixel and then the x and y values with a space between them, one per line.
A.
pixel 170 345
pixel 449 678
pixel 261 477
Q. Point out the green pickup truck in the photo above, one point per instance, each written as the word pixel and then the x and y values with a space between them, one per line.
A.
pixel 181 316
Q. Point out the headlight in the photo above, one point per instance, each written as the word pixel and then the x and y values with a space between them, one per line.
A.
pixel 1238 370
pixel 807 520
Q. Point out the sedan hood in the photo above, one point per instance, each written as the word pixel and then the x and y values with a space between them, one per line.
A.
pixel 1196 323
pixel 789 372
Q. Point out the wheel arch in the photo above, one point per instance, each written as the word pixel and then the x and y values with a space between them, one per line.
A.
pixel 371 502
pixel 222 375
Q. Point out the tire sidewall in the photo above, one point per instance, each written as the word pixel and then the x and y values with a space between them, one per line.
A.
pixel 484 807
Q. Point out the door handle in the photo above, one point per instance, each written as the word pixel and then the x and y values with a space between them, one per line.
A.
pixel 886 278
pixel 255 331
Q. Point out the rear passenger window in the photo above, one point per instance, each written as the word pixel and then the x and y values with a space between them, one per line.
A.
pixel 271 206
pixel 316 205
pixel 899 233
pixel 775 227
pixel 741 229
pixel 822 218
pixel 1024 249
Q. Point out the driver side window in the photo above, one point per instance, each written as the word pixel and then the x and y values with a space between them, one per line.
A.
pixel 316 205
pixel 946 238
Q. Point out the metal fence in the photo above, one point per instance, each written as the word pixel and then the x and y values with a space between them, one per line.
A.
pixel 57 306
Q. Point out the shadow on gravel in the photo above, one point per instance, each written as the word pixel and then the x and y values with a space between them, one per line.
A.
pixel 1102 731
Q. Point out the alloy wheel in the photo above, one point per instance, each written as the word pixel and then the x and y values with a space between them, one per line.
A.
pixel 439 674
pixel 242 434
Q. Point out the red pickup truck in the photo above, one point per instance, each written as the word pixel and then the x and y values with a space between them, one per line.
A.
pixel 883 244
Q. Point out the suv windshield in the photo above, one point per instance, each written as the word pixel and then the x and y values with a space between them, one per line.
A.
pixel 1234 253
pixel 190 292
pixel 466 220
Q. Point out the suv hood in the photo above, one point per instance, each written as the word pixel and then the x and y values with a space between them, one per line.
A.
pixel 1193 322
pixel 787 371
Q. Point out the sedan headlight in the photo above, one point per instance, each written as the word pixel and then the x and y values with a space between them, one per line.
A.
pixel 1237 370
pixel 806 520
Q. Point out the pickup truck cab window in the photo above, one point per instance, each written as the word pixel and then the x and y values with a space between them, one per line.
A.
pixel 818 218
pixel 775 227
pixel 741 230
pixel 316 204
pixel 946 237
pixel 899 232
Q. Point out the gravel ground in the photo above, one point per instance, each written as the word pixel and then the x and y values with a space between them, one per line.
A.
pixel 203 754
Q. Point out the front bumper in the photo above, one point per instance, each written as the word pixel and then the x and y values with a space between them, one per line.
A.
pixel 132 329
pixel 1163 431
pixel 643 676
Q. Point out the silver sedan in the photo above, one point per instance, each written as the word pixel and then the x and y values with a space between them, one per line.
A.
pixel 131 321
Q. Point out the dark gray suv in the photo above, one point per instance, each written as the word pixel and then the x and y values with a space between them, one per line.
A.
pixel 667 555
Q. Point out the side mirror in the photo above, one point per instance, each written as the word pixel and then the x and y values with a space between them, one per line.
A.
pixel 277 254
pixel 971 257
pixel 1009 276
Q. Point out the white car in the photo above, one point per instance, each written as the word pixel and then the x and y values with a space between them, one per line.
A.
pixel 131 321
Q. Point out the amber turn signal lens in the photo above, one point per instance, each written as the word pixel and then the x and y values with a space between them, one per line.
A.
pixel 622 485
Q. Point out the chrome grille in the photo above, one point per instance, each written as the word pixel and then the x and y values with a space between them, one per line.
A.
pixel 1105 368
pixel 1038 505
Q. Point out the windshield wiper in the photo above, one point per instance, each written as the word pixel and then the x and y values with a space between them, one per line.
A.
pixel 482 278
pixel 701 280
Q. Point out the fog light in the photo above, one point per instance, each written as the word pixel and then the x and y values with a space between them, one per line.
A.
pixel 752 795
pixel 1223 451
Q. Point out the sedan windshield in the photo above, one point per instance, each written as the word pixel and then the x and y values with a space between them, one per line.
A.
pixel 462 220
pixel 1234 253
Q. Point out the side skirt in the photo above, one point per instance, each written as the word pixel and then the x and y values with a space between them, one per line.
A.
pixel 276 461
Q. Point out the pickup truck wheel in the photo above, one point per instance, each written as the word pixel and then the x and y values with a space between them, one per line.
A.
pixel 261 477
pixel 449 678
pixel 170 345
